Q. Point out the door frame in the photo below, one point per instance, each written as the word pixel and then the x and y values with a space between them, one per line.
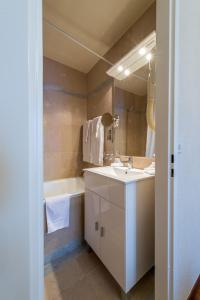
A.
pixel 166 15
pixel 164 148
pixel 35 87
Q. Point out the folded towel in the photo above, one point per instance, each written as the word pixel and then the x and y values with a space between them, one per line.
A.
pixel 150 169
pixel 57 212
pixel 87 141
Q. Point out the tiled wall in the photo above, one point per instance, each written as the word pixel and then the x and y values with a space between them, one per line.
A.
pixel 65 110
pixel 100 101
pixel 100 96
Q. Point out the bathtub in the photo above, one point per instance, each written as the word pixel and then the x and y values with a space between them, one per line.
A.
pixel 60 242
pixel 69 186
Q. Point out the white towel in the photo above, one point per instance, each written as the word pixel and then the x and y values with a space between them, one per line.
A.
pixel 57 212
pixel 150 169
pixel 87 141
pixel 97 141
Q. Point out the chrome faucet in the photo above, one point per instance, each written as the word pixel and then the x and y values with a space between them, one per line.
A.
pixel 130 162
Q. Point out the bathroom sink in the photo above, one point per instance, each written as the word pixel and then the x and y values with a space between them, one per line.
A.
pixel 121 202
pixel 123 174
pixel 127 172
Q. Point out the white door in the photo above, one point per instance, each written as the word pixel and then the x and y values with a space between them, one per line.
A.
pixel 186 204
pixel 92 221
pixel 177 132
pixel 112 239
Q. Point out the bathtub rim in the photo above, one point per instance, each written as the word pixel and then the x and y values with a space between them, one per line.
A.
pixel 71 195
pixel 65 194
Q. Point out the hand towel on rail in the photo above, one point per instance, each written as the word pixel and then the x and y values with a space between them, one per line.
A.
pixel 97 141
pixel 57 212
pixel 87 141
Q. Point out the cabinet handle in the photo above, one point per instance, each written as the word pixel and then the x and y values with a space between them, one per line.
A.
pixel 96 226
pixel 102 231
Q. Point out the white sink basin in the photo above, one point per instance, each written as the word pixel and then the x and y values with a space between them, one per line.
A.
pixel 127 172
pixel 120 173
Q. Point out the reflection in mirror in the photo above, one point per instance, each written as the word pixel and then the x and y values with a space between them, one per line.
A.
pixel 134 100
pixel 107 119
pixel 130 137
pixel 110 120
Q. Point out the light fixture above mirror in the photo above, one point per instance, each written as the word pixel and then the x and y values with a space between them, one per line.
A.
pixel 135 59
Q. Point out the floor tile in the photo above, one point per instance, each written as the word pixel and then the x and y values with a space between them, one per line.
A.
pixel 82 276
pixel 82 290
pixel 68 274
pixel 52 289
pixel 87 261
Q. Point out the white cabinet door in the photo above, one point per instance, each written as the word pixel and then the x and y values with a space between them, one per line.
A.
pixel 92 220
pixel 112 239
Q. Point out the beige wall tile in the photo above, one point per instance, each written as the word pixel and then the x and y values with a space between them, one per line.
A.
pixel 100 102
pixel 64 76
pixel 64 116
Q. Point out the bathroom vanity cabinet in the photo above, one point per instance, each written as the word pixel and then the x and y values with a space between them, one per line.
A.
pixel 119 224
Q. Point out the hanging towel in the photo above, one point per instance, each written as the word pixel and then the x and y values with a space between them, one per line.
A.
pixel 150 142
pixel 57 212
pixel 97 141
pixel 87 141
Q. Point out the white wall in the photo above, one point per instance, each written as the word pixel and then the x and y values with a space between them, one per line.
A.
pixel 178 127
pixel 20 149
pixel 187 136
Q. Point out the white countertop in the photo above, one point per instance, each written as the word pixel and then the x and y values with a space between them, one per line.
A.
pixel 121 174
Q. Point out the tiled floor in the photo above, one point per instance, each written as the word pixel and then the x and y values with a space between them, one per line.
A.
pixel 81 276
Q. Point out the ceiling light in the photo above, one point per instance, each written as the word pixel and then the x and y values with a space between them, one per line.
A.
pixel 120 68
pixel 149 56
pixel 133 60
pixel 127 72
pixel 142 51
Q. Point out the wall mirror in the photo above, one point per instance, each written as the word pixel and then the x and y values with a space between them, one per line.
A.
pixel 134 100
